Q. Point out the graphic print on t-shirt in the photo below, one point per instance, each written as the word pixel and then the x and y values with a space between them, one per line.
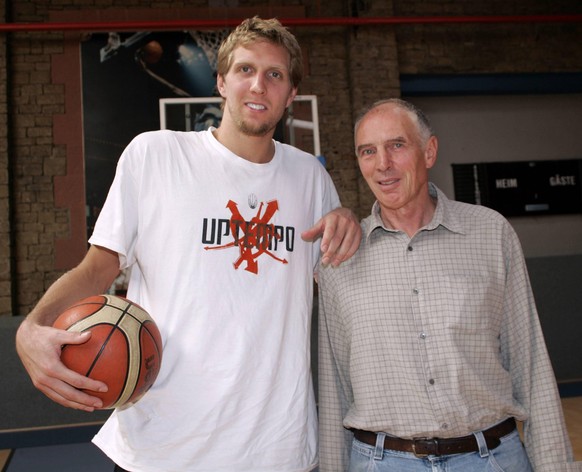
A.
pixel 253 239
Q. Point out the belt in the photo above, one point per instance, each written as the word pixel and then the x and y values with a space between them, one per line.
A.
pixel 422 447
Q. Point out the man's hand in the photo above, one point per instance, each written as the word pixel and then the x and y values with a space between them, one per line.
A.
pixel 39 348
pixel 341 234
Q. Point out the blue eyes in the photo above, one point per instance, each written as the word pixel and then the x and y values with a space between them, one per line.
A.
pixel 390 147
pixel 273 74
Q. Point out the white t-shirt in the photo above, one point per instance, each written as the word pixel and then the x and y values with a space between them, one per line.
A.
pixel 216 256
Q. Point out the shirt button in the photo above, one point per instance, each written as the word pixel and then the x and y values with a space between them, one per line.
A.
pixel 431 381
pixel 444 426
pixel 415 291
pixel 410 248
pixel 422 335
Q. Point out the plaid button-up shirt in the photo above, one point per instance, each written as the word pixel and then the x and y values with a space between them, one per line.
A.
pixel 435 336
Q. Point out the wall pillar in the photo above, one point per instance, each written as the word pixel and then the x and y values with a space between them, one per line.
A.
pixel 373 73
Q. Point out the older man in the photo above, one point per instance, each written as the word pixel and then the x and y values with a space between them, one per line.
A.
pixel 430 343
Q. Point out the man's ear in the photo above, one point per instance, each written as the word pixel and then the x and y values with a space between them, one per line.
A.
pixel 220 85
pixel 292 96
pixel 430 153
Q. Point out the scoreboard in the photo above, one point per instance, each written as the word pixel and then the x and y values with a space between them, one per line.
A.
pixel 523 187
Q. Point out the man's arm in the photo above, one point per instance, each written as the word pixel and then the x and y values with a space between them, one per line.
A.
pixel 525 355
pixel 39 345
pixel 341 234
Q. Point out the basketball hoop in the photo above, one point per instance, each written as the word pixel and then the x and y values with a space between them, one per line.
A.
pixel 209 41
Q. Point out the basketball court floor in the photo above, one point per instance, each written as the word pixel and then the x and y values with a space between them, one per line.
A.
pixel 60 458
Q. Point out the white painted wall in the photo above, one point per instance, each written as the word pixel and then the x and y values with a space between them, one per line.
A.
pixel 511 128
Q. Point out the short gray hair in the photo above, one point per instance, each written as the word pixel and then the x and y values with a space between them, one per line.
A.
pixel 424 127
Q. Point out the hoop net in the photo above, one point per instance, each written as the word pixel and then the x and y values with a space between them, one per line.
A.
pixel 210 41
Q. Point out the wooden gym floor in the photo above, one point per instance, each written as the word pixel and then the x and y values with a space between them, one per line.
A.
pixel 572 411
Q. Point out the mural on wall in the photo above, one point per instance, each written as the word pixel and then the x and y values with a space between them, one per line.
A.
pixel 124 75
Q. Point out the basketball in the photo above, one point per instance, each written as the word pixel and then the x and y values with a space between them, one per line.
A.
pixel 124 351
pixel 152 52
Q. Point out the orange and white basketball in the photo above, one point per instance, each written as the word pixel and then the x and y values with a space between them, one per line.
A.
pixel 124 351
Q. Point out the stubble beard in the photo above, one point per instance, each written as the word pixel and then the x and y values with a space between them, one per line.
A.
pixel 255 131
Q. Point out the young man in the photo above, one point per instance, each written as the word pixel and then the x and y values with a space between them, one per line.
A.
pixel 430 344
pixel 211 224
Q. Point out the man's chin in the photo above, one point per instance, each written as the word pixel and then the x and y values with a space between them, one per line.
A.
pixel 256 131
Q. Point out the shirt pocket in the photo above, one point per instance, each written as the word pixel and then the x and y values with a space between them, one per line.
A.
pixel 470 304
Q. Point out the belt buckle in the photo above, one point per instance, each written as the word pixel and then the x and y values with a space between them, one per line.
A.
pixel 422 455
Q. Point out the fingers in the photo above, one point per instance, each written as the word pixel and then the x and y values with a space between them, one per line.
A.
pixel 347 248
pixel 39 348
pixel 65 394
pixel 341 235
pixel 314 232
pixel 340 240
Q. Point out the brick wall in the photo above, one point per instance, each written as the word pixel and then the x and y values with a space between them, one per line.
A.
pixel 521 47
pixel 348 67
pixel 5 253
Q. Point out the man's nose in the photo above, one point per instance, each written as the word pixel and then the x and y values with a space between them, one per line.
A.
pixel 384 160
pixel 258 85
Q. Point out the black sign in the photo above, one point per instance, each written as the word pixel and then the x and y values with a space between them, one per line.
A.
pixel 522 188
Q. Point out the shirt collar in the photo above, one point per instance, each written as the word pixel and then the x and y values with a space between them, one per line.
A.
pixel 443 216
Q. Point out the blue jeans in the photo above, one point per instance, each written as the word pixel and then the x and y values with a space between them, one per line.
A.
pixel 509 456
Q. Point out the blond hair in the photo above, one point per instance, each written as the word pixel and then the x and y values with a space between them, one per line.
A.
pixel 256 29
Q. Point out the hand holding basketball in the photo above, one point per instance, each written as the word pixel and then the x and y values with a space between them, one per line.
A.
pixel 124 351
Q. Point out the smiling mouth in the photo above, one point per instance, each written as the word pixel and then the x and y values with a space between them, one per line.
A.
pixel 256 106
pixel 387 182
